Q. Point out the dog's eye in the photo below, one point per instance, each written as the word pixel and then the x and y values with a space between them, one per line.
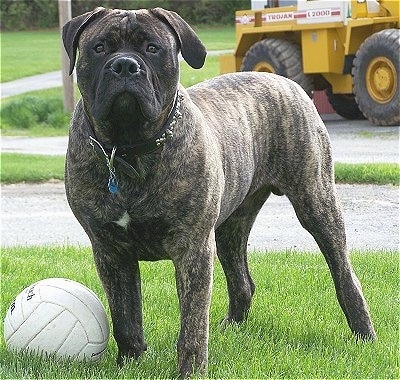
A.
pixel 99 48
pixel 152 48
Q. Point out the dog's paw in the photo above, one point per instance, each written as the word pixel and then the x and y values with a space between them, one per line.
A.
pixel 236 317
pixel 363 328
pixel 229 321
pixel 370 336
pixel 130 353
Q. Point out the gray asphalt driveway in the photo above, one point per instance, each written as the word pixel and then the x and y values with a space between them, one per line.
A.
pixel 33 83
pixel 39 214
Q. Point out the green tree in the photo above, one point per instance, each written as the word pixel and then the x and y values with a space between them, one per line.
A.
pixel 41 14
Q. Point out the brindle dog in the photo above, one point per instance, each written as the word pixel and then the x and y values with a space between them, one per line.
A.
pixel 155 171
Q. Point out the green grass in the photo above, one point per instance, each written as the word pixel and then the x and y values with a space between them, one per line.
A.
pixel 31 168
pixel 217 37
pixel 29 53
pixel 375 173
pixel 37 168
pixel 190 76
pixel 295 328
pixel 36 52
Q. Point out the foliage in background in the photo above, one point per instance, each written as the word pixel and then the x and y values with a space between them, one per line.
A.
pixel 36 14
pixel 28 14
pixel 29 113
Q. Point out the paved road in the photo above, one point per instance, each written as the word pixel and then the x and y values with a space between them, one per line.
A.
pixel 33 83
pixel 39 214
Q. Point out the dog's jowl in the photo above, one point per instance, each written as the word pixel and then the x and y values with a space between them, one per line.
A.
pixel 155 171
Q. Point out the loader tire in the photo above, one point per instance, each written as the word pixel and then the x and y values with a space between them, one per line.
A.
pixel 345 105
pixel 278 56
pixel 376 75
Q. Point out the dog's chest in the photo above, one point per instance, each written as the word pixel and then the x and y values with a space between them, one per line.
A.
pixel 142 230
pixel 123 221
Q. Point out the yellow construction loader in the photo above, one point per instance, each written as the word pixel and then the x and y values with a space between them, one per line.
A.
pixel 349 48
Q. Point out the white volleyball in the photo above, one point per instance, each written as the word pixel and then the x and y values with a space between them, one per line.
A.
pixel 59 317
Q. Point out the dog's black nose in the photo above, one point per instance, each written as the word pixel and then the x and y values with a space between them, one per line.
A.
pixel 125 67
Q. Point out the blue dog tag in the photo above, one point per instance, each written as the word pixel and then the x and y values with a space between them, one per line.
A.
pixel 113 185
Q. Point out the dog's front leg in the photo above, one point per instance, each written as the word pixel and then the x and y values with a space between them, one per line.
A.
pixel 194 272
pixel 120 276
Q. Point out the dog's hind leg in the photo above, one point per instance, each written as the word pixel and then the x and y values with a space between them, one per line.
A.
pixel 318 209
pixel 231 238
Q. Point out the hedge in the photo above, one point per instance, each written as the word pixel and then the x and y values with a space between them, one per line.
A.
pixel 43 14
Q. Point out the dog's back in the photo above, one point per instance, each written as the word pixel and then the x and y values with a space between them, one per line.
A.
pixel 267 122
pixel 280 101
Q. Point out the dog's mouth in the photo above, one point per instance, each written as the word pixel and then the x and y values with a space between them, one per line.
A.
pixel 128 115
pixel 136 101
pixel 125 105
pixel 125 115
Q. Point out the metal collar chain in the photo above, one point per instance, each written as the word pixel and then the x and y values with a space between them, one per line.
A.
pixel 112 179
pixel 177 115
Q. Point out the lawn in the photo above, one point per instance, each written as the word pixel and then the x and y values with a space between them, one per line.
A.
pixel 375 173
pixel 41 50
pixel 31 168
pixel 295 328
pixel 29 53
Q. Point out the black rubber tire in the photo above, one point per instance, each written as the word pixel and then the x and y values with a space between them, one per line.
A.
pixel 380 51
pixel 345 105
pixel 281 57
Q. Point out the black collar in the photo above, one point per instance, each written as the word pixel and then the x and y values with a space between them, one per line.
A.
pixel 111 152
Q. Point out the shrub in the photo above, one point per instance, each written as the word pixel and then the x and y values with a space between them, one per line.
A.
pixel 30 111
pixel 28 14
pixel 34 14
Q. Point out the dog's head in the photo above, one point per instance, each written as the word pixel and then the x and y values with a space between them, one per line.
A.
pixel 128 69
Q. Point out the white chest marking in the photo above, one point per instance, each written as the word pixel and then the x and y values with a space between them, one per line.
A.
pixel 124 220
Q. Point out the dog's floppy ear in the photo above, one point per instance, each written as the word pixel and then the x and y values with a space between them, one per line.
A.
pixel 193 51
pixel 73 29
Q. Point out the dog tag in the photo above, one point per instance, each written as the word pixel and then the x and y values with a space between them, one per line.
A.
pixel 112 185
